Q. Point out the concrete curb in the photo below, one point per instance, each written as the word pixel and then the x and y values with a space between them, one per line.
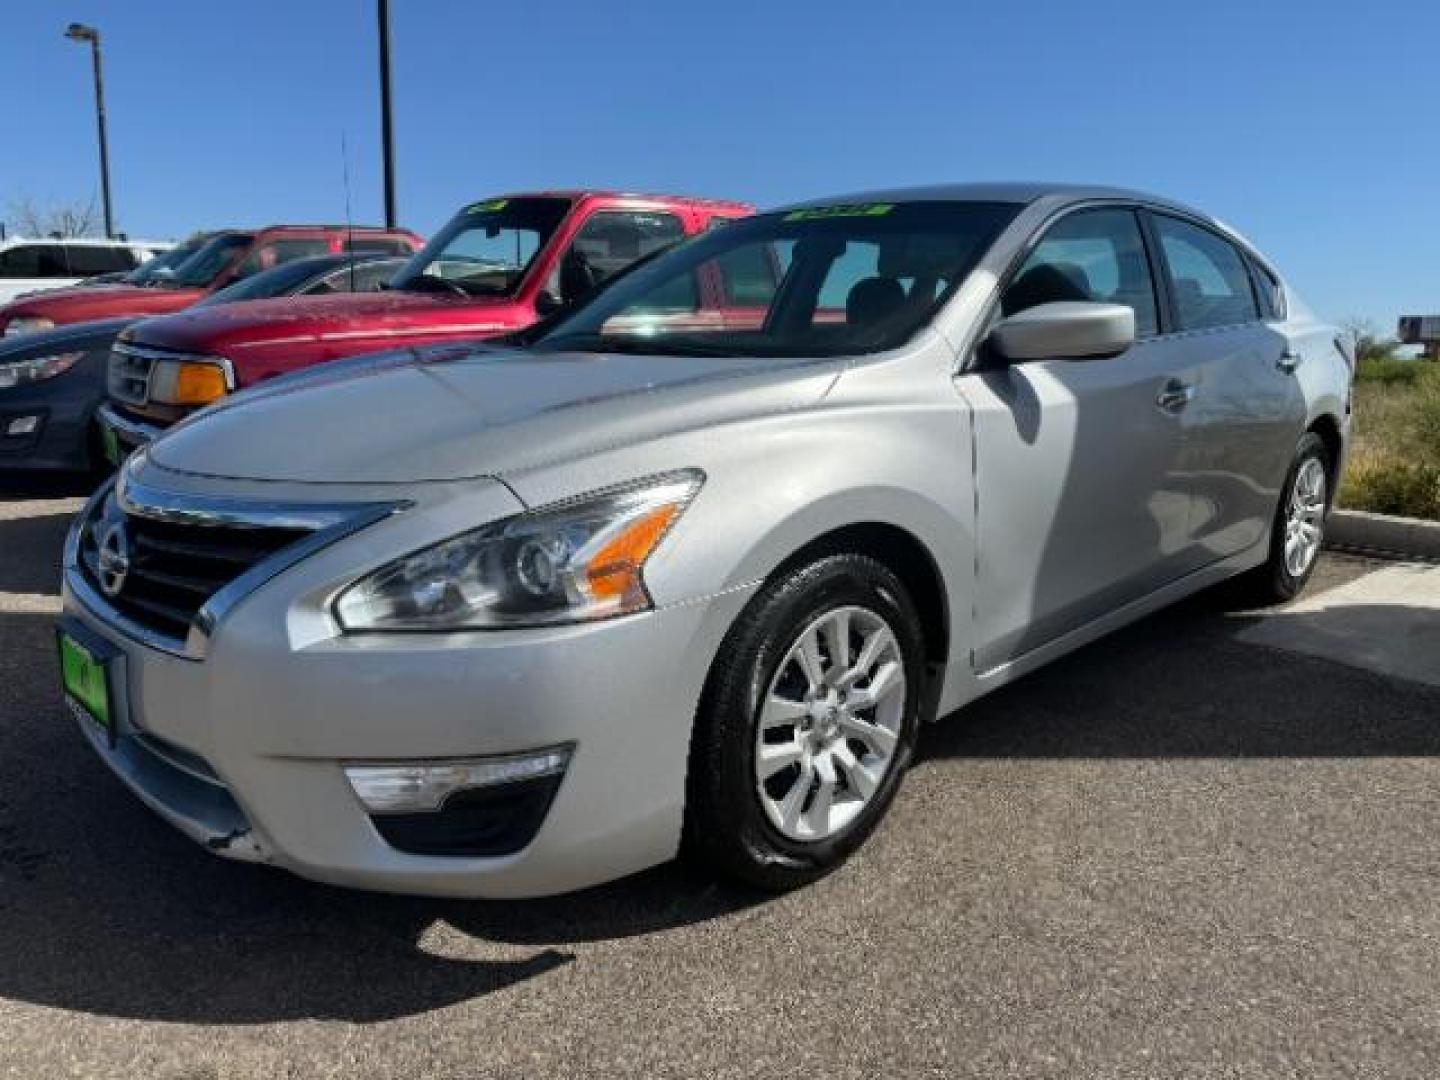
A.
pixel 1382 534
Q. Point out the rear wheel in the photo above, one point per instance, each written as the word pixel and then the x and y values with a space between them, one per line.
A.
pixel 1299 528
pixel 808 722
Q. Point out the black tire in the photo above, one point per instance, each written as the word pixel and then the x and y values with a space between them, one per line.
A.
pixel 1272 582
pixel 726 827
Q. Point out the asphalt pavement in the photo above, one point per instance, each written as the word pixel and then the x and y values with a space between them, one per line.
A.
pixel 1179 852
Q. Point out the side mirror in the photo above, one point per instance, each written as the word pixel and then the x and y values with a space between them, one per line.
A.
pixel 1066 330
pixel 547 303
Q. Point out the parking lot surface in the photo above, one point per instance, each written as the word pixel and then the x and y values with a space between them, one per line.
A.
pixel 1178 852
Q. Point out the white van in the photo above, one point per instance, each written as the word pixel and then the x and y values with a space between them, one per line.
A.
pixel 34 265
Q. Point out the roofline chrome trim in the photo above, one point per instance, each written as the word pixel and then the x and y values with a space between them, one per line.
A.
pixel 329 523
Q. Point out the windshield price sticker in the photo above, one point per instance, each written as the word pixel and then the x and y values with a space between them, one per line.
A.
pixel 487 207
pixel 857 210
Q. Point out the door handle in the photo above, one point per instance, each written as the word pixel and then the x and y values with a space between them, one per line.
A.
pixel 1289 361
pixel 1175 396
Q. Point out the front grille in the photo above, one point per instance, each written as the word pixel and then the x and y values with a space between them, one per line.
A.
pixel 129 374
pixel 173 568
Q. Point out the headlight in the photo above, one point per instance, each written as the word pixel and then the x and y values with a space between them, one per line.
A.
pixel 571 562
pixel 20 372
pixel 27 324
pixel 192 381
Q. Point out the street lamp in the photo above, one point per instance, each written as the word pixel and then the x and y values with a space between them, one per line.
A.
pixel 387 135
pixel 82 33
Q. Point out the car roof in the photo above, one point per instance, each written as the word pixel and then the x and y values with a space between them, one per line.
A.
pixel 90 241
pixel 1005 192
pixel 576 194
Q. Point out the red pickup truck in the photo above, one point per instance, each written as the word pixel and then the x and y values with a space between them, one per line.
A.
pixel 224 258
pixel 496 267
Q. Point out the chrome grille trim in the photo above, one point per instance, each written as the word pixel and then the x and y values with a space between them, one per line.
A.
pixel 131 366
pixel 328 522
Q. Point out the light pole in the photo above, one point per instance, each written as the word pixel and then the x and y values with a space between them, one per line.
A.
pixel 387 136
pixel 82 33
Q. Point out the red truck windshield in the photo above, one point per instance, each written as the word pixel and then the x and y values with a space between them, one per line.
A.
pixel 485 249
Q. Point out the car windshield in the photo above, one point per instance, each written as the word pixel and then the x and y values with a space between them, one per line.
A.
pixel 820 281
pixel 486 249
pixel 205 264
pixel 283 280
pixel 159 268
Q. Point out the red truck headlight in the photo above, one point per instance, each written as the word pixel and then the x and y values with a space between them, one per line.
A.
pixel 197 381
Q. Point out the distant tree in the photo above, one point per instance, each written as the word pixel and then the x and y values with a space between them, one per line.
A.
pixel 29 218
pixel 1365 337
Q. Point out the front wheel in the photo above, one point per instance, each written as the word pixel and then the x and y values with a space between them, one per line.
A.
pixel 1299 528
pixel 808 722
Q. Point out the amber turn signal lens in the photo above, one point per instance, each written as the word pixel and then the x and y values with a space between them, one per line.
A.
pixel 198 384
pixel 614 570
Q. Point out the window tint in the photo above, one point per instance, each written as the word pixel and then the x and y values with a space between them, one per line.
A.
pixel 88 259
pixel 1094 255
pixel 1207 275
pixel 278 252
pixel 20 262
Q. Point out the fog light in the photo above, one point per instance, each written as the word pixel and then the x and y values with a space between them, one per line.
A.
pixel 422 786
pixel 22 425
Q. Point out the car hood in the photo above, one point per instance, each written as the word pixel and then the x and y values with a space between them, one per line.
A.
pixel 229 329
pixel 85 335
pixel 100 302
pixel 447 414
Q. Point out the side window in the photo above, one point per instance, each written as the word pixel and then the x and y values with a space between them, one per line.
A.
pixel 859 262
pixel 610 241
pixel 1267 288
pixel 277 252
pixel 88 259
pixel 385 245
pixel 1207 274
pixel 749 275
pixel 1094 255
pixel 20 262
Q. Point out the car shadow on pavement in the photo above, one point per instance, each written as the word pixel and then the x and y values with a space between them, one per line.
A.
pixel 30 550
pixel 1180 685
pixel 105 909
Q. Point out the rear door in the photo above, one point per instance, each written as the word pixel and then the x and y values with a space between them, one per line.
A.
pixel 1080 507
pixel 1247 410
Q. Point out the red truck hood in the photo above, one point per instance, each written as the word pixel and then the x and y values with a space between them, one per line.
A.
pixel 99 302
pixel 229 329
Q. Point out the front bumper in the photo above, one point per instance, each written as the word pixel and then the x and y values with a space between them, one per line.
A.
pixel 128 434
pixel 65 407
pixel 282 701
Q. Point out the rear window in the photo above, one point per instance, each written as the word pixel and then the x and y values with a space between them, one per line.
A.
pixel 384 245
pixel 88 259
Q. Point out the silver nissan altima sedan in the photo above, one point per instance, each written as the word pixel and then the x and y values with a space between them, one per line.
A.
pixel 685 570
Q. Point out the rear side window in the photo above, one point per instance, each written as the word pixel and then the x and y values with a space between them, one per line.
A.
pixel 277 252
pixel 1208 276
pixel 20 262
pixel 1095 255
pixel 88 259
pixel 385 245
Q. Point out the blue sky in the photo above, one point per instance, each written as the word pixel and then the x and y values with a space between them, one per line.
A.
pixel 1309 126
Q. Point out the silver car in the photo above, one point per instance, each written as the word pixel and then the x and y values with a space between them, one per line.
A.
pixel 686 570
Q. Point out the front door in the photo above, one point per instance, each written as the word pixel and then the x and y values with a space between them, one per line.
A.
pixel 1080 505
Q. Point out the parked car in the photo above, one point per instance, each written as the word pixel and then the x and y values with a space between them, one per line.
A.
pixel 52 381
pixel 480 620
pixel 496 267
pixel 32 266
pixel 224 258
